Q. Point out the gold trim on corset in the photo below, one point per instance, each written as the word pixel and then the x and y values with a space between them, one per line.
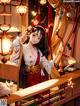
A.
pixel 33 69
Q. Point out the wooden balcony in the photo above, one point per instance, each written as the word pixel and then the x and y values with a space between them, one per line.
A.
pixel 64 93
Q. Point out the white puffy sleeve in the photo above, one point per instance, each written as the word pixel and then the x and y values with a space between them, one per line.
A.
pixel 16 50
pixel 48 65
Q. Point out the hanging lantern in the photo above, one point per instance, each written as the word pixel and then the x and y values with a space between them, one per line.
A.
pixel 4 27
pixel 21 9
pixel 5 1
pixel 5 45
pixel 43 2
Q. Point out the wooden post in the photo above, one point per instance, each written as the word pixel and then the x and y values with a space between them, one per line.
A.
pixel 49 33
pixel 24 19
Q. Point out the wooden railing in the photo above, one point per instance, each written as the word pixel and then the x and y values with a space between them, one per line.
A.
pixel 36 94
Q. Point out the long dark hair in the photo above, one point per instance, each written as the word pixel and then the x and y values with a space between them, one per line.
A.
pixel 42 44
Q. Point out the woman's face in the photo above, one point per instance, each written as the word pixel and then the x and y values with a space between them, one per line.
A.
pixel 35 37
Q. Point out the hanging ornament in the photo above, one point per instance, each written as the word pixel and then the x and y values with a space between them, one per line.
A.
pixel 21 9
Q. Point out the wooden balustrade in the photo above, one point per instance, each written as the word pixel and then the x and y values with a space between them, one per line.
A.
pixel 63 94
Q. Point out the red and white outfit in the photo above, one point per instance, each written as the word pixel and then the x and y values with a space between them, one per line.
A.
pixel 31 58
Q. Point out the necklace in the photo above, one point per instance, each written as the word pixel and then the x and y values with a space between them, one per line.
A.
pixel 32 54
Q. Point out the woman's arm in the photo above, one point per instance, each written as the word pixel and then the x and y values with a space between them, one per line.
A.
pixel 16 50
pixel 17 43
pixel 48 65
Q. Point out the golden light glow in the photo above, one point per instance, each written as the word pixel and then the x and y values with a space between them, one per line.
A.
pixel 42 2
pixel 34 13
pixel 5 1
pixel 70 83
pixel 71 61
pixel 47 30
pixel 21 9
pixel 6 44
pixel 35 21
pixel 5 27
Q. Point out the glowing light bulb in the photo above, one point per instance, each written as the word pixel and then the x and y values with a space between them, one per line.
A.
pixel 42 2
pixel 21 9
pixel 6 44
pixel 34 13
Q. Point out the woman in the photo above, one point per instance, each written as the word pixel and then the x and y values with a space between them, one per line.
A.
pixel 33 57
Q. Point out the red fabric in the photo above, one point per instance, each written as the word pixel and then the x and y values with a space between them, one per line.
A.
pixel 34 78
pixel 38 59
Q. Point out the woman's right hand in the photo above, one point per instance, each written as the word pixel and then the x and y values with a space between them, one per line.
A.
pixel 26 34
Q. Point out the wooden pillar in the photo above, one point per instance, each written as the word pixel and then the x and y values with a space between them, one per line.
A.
pixel 49 21
pixel 24 19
